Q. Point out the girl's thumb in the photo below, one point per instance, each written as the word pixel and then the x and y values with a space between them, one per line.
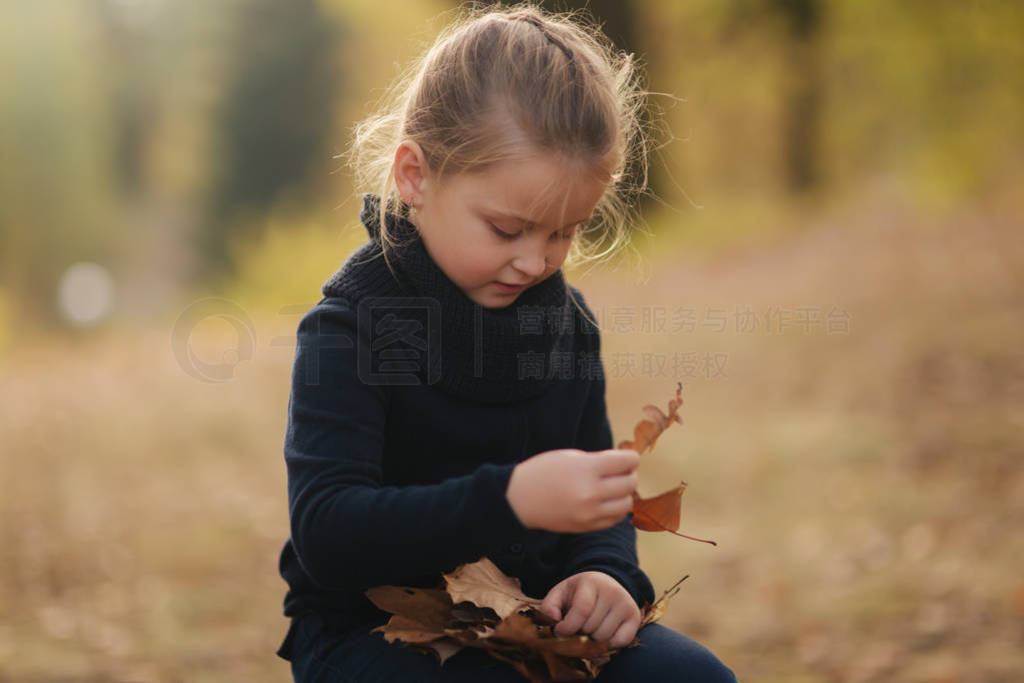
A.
pixel 552 604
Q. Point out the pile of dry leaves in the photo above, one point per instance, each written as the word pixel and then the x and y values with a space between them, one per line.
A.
pixel 482 607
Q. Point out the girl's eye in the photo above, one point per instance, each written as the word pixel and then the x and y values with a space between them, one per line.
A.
pixel 502 234
pixel 566 235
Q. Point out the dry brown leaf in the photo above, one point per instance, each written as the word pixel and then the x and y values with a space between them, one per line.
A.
pixel 467 612
pixel 647 431
pixel 516 628
pixel 662 513
pixel 408 631
pixel 483 584
pixel 656 611
pixel 561 655
pixel 562 669
pixel 575 646
pixel 415 635
pixel 427 606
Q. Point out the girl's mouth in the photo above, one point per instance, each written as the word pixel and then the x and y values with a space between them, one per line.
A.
pixel 509 289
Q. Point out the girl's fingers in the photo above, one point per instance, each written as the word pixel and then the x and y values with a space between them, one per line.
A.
pixel 606 629
pixel 582 604
pixel 625 633
pixel 612 462
pixel 552 604
pixel 617 486
pixel 601 613
pixel 616 507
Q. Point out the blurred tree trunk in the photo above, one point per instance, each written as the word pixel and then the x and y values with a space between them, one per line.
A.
pixel 803 99
pixel 801 22
pixel 57 183
pixel 275 119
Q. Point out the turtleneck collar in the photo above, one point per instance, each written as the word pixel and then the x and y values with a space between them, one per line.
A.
pixel 467 350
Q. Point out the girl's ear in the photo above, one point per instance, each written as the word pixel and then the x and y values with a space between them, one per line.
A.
pixel 410 172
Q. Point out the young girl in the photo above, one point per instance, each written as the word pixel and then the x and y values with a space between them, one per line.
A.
pixel 447 397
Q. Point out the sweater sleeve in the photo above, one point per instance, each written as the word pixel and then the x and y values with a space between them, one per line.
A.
pixel 347 528
pixel 611 550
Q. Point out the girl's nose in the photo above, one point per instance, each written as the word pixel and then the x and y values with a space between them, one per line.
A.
pixel 531 262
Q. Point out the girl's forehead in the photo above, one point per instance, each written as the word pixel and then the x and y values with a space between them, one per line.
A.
pixel 537 189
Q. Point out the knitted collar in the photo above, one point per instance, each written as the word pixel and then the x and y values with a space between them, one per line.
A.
pixel 449 340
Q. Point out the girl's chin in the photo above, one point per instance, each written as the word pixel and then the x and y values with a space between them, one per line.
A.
pixel 498 304
pixel 493 300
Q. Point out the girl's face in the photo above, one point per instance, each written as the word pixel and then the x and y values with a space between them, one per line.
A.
pixel 499 231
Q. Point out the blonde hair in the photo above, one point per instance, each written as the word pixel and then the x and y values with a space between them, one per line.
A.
pixel 501 83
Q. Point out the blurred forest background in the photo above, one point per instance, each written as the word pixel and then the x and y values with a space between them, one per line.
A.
pixel 831 263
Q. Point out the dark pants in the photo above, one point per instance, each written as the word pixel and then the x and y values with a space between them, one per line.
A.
pixel 317 655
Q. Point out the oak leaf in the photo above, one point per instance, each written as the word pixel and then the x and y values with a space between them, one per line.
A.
pixel 427 606
pixel 482 583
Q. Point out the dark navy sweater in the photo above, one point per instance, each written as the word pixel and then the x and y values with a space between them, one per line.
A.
pixel 410 405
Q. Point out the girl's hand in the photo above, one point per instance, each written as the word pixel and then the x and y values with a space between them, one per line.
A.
pixel 570 490
pixel 599 606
